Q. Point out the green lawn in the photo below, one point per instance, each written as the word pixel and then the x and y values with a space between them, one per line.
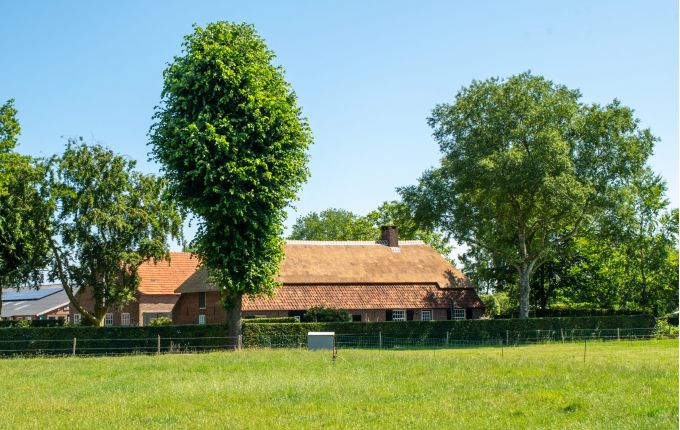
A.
pixel 621 385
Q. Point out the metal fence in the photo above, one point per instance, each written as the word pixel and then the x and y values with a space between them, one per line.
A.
pixel 116 346
pixel 170 345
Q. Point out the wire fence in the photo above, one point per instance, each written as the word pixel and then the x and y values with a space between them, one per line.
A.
pixel 177 345
pixel 511 338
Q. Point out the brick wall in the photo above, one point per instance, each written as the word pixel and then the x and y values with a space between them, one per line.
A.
pixel 187 311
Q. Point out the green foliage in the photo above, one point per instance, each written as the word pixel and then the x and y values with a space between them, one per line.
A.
pixel 272 320
pixel 525 168
pixel 232 142
pixel 24 210
pixel 160 321
pixel 32 323
pixel 341 224
pixel 664 329
pixel 261 334
pixel 23 323
pixel 110 220
pixel 324 314
pixel 491 305
pixel 333 224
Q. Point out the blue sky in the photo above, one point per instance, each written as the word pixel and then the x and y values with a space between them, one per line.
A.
pixel 367 74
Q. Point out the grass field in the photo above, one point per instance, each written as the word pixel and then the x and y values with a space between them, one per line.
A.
pixel 622 385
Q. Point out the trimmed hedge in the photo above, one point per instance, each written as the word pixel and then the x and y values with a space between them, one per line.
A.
pixel 270 320
pixel 267 334
pixel 31 323
pixel 111 340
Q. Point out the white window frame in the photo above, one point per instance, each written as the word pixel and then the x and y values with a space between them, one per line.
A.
pixel 76 319
pixel 108 319
pixel 426 312
pixel 401 313
pixel 202 320
pixel 125 318
pixel 458 314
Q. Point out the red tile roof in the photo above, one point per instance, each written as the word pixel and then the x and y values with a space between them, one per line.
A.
pixel 165 276
pixel 349 275
pixel 366 296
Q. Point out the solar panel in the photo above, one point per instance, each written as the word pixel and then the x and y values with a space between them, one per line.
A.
pixel 15 296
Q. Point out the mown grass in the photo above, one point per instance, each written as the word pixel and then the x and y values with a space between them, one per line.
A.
pixel 622 385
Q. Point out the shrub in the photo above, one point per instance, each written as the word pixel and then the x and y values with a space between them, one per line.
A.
pixel 324 314
pixel 160 321
pixel 664 329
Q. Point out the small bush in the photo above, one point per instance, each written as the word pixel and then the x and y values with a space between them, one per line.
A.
pixel 160 321
pixel 324 314
pixel 664 329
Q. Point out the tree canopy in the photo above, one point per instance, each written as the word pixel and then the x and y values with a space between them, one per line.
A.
pixel 232 142
pixel 24 210
pixel 333 224
pixel 109 220
pixel 525 167
pixel 341 224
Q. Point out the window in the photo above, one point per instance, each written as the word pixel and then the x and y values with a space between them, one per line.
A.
pixel 125 318
pixel 108 319
pixel 459 314
pixel 201 300
pixel 426 315
pixel 356 318
pixel 76 319
pixel 201 319
pixel 398 315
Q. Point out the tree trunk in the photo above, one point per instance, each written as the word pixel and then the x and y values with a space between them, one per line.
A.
pixel 234 319
pixel 0 302
pixel 524 289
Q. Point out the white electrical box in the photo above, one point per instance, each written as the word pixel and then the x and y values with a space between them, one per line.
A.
pixel 320 340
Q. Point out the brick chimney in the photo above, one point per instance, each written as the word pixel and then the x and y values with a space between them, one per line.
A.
pixel 390 234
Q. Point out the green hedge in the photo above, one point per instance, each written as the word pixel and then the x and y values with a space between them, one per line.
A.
pixel 111 340
pixel 294 334
pixel 31 323
pixel 271 320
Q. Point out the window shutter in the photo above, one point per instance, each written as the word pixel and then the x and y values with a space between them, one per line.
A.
pixel 468 313
pixel 388 315
pixel 448 314
pixel 409 315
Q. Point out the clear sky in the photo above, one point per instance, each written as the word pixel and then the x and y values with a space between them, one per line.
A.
pixel 367 74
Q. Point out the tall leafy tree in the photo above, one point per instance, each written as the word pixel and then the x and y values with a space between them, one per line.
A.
pixel 398 213
pixel 109 220
pixel 333 224
pixel 24 210
pixel 341 224
pixel 232 142
pixel 525 167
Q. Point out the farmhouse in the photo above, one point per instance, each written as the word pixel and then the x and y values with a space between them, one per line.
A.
pixel 384 280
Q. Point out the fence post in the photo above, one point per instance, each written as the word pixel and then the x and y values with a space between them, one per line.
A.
pixel 562 334
pixel 240 342
pixel 74 346
pixel 618 333
pixel 380 340
pixel 447 338
pixel 158 344
pixel 507 337
pixel 585 346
